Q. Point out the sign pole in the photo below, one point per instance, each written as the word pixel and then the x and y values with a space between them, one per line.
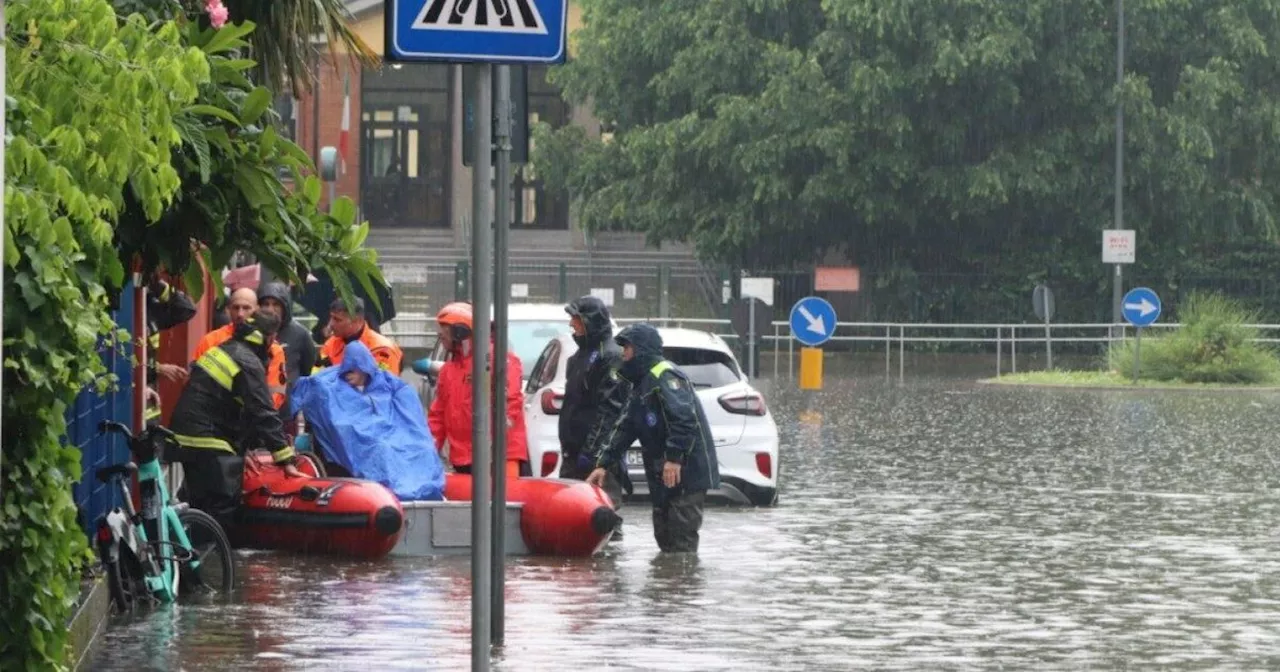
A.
pixel 502 218
pixel 1137 353
pixel 751 339
pixel 1116 293
pixel 482 296
pixel 1048 344
pixel 1141 308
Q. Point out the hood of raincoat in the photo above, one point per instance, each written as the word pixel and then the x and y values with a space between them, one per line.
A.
pixel 648 349
pixel 595 317
pixel 279 292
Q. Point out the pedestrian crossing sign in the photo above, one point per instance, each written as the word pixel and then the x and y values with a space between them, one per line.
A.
pixel 480 31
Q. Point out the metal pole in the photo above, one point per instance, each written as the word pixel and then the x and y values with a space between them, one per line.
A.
pixel 1048 344
pixel 902 353
pixel 999 349
pixel 751 338
pixel 1116 294
pixel 888 352
pixel 1137 353
pixel 332 186
pixel 481 300
pixel 775 351
pixel 501 294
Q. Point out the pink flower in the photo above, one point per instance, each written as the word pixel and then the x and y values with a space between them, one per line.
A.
pixel 217 12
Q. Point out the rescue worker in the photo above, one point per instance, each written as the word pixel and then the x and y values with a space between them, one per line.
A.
pixel 593 393
pixel 224 411
pixel 167 307
pixel 294 339
pixel 664 413
pixel 450 417
pixel 242 304
pixel 349 325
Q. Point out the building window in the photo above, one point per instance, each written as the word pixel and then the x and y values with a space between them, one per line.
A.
pixel 286 106
pixel 535 207
pixel 405 152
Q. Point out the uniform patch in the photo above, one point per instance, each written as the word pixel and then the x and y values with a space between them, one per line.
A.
pixel 651 419
pixel 674 383
pixel 595 354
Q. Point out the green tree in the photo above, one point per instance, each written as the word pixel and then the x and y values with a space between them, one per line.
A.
pixel 92 110
pixel 133 139
pixel 963 136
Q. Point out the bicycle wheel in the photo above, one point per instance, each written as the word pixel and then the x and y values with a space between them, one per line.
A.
pixel 209 545
pixel 121 595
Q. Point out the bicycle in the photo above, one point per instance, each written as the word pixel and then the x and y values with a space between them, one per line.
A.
pixel 161 551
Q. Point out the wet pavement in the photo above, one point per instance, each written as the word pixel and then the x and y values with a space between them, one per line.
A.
pixel 941 525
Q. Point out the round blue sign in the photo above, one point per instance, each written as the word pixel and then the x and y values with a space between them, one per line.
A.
pixel 1140 307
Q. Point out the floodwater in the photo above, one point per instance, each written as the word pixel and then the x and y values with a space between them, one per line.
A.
pixel 941 525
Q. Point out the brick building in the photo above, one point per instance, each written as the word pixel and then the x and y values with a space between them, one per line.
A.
pixel 404 161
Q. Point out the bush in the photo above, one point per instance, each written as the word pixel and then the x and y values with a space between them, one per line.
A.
pixel 1213 345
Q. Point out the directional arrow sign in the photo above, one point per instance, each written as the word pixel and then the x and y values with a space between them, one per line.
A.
pixel 1141 307
pixel 813 321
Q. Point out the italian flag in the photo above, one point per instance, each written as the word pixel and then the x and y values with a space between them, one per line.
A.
pixel 345 138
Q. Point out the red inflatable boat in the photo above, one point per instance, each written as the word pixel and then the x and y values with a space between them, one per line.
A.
pixel 559 517
pixel 342 516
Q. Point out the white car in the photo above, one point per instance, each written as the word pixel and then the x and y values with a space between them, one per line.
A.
pixel 745 435
pixel 529 328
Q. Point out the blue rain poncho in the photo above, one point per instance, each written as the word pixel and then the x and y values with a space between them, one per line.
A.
pixel 378 433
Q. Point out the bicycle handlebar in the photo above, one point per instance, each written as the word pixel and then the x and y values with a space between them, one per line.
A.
pixel 112 426
pixel 121 428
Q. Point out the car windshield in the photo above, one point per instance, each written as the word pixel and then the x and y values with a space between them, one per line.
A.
pixel 705 368
pixel 528 338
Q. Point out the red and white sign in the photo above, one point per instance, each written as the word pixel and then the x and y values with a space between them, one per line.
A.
pixel 1119 246
pixel 836 279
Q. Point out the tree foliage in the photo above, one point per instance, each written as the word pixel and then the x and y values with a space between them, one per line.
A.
pixel 132 139
pixel 951 136
pixel 92 111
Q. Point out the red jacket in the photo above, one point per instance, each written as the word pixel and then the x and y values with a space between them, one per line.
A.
pixel 450 416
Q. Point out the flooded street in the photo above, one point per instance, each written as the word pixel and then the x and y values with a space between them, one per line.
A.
pixel 941 525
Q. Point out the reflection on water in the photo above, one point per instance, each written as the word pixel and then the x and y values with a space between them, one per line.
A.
pixel 934 526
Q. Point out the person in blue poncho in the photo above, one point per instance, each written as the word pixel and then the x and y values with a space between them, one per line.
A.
pixel 371 424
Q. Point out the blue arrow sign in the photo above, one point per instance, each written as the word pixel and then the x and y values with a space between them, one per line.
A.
pixel 1140 307
pixel 484 31
pixel 813 321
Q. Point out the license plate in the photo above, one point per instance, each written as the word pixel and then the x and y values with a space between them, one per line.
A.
pixel 634 459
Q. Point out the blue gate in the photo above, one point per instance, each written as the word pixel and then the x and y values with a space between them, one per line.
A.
pixel 90 408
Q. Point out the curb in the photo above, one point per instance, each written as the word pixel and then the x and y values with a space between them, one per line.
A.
pixel 88 622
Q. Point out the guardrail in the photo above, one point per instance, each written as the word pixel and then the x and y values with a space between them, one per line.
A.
pixel 419 330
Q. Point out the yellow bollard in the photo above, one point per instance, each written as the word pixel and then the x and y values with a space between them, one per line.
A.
pixel 811 368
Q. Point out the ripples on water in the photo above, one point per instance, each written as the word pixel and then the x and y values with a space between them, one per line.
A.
pixel 936 526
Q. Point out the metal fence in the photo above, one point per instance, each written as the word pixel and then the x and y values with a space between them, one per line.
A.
pixel 1003 342
pixel 649 290
pixel 96 450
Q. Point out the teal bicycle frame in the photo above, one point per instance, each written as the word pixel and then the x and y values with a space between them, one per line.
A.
pixel 152 533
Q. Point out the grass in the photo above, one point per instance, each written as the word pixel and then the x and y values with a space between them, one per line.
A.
pixel 1211 348
pixel 1102 379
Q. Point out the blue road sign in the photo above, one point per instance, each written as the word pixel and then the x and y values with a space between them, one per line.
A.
pixel 813 321
pixel 1141 307
pixel 482 31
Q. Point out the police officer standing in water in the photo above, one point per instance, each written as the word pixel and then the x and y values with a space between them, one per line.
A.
pixel 593 394
pixel 664 413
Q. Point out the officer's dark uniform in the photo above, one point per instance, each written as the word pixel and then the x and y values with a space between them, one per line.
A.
pixel 225 410
pixel 594 392
pixel 664 413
